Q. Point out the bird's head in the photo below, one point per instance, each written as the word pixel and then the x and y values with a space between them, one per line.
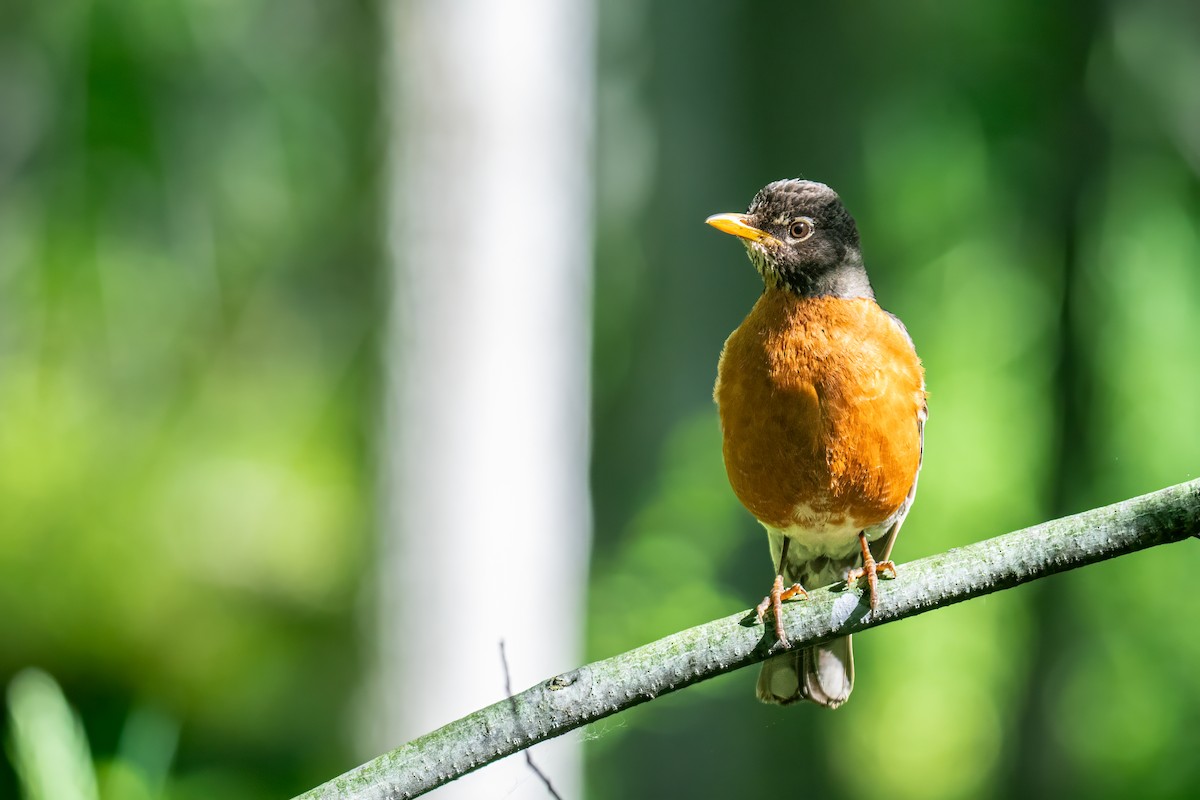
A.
pixel 801 238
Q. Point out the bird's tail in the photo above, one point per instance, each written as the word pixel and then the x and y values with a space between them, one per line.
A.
pixel 823 674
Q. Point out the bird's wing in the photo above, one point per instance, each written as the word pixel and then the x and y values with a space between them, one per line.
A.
pixel 881 548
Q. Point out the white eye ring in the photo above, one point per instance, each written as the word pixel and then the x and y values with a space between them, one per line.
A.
pixel 801 228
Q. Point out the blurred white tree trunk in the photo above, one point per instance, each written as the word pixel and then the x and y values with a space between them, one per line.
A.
pixel 486 520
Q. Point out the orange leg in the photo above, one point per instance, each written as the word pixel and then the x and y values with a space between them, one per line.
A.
pixel 871 569
pixel 778 595
pixel 774 601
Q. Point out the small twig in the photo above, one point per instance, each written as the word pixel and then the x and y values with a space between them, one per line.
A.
pixel 593 692
pixel 513 701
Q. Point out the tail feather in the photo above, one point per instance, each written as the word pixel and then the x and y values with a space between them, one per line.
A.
pixel 823 674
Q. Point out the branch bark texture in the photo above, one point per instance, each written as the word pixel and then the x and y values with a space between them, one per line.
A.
pixel 598 690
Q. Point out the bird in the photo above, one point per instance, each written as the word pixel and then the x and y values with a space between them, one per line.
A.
pixel 822 405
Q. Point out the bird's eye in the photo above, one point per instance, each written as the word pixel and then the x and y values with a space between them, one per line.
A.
pixel 801 229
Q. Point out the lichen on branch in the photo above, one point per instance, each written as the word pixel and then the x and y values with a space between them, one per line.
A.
pixel 589 693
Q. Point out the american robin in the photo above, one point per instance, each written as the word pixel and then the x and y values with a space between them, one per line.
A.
pixel 821 397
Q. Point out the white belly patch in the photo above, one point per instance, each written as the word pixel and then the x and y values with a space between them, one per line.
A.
pixel 823 546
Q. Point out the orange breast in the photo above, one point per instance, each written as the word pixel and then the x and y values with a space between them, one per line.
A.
pixel 818 399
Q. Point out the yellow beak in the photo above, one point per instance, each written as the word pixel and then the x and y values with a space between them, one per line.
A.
pixel 736 224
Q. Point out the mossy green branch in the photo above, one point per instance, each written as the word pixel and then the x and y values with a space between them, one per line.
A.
pixel 595 691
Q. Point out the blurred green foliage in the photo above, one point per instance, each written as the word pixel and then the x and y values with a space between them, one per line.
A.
pixel 48 744
pixel 1025 180
pixel 187 279
pixel 188 327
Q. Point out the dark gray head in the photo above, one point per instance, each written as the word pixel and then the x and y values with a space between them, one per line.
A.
pixel 800 237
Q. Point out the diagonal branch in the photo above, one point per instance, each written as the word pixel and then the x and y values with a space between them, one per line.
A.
pixel 595 691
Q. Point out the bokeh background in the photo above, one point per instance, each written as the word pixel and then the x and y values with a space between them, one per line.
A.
pixel 191 336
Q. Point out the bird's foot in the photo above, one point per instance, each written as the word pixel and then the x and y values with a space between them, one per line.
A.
pixel 774 601
pixel 871 570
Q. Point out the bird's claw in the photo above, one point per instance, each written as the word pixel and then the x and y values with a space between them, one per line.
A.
pixel 871 570
pixel 774 601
